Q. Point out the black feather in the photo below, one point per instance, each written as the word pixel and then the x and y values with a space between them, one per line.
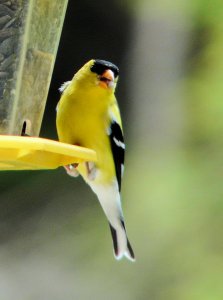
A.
pixel 114 239
pixel 100 66
pixel 117 151
pixel 128 243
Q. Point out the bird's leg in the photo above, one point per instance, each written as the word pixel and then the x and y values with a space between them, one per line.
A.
pixel 71 170
pixel 91 170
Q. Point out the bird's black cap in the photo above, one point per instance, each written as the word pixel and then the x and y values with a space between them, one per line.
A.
pixel 100 66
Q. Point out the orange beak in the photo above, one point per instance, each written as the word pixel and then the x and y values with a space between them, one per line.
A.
pixel 107 79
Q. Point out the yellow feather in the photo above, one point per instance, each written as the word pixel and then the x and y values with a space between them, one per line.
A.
pixel 83 118
pixel 84 115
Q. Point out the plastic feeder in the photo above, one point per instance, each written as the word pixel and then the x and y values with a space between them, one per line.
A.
pixel 27 153
pixel 29 36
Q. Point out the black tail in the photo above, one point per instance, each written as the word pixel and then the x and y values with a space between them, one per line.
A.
pixel 121 244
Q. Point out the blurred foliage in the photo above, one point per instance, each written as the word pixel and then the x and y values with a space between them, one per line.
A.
pixel 204 86
pixel 55 241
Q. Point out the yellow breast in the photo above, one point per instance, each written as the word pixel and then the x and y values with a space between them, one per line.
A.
pixel 83 119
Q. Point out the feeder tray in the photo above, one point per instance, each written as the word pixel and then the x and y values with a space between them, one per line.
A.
pixel 34 153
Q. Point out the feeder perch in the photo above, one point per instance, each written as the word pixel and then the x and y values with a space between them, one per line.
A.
pixel 29 36
pixel 24 153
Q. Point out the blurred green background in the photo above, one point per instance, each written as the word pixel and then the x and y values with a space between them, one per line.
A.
pixel 54 239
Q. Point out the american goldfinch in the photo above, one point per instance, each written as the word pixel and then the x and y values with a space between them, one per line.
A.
pixel 88 116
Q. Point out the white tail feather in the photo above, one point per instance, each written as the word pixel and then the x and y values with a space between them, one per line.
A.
pixel 109 199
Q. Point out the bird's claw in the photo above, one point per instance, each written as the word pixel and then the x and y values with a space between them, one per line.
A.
pixel 71 170
pixel 91 170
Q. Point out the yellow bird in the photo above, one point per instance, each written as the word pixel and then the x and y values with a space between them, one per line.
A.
pixel 88 116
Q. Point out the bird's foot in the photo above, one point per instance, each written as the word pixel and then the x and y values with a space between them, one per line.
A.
pixel 91 170
pixel 71 170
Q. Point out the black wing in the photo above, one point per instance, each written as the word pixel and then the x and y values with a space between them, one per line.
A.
pixel 118 149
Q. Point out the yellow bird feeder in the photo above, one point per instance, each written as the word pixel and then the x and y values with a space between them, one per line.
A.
pixel 24 153
pixel 29 36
